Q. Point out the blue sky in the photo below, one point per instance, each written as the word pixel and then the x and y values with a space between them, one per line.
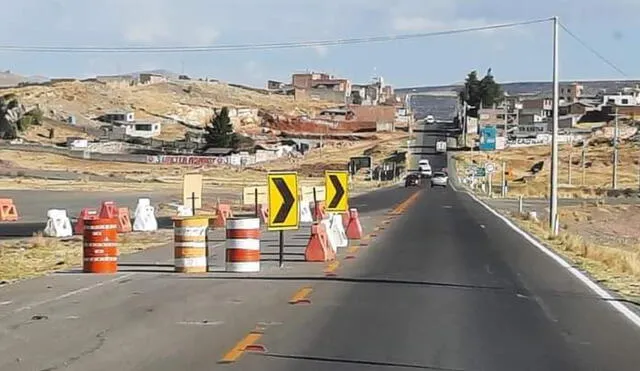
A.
pixel 514 54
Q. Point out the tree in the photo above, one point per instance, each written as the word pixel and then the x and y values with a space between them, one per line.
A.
pixel 485 92
pixel 490 91
pixel 219 132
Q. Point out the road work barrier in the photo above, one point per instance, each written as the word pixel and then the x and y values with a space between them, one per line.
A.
pixel 243 245
pixel 263 213
pixel 144 219
pixel 190 244
pixel 85 214
pixel 331 237
pixel 58 224
pixel 318 249
pixel 354 228
pixel 319 211
pixel 108 210
pixel 8 210
pixel 223 212
pixel 305 213
pixel 100 245
pixel 336 227
pixel 124 220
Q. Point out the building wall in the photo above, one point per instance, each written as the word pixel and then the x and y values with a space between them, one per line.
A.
pixel 321 94
pixel 301 81
pixel 541 104
pixel 384 114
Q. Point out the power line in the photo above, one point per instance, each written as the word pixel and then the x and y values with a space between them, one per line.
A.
pixel 593 51
pixel 256 46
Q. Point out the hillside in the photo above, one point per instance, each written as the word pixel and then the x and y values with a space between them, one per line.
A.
pixel 528 88
pixel 11 79
pixel 188 101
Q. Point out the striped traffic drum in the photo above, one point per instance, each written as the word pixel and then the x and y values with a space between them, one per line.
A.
pixel 243 245
pixel 190 244
pixel 100 245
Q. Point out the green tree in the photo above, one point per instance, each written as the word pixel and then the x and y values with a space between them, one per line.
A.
pixel 483 92
pixel 490 91
pixel 219 132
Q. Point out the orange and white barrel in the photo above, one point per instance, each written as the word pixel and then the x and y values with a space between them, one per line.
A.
pixel 190 244
pixel 243 245
pixel 100 246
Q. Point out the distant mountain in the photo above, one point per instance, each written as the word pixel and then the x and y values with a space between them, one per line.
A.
pixel 8 79
pixel 591 87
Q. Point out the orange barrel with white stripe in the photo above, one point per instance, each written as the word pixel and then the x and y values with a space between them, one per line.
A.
pixel 243 245
pixel 190 244
pixel 100 246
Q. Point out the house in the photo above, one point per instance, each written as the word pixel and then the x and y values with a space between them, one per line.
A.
pixel 138 129
pixel 118 115
pixel 152 78
pixel 621 99
pixel 533 127
pixel 490 116
pixel 575 108
pixel 275 85
pixel 571 93
pixel 540 106
pixel 568 121
pixel 116 80
pixel 320 86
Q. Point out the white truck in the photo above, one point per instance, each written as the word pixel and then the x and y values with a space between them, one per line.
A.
pixel 441 146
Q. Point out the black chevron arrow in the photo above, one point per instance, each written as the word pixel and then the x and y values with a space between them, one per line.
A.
pixel 339 191
pixel 287 201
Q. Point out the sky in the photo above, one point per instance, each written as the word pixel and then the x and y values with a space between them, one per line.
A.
pixel 522 53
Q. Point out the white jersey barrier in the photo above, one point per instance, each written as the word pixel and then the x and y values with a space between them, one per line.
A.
pixel 305 213
pixel 58 224
pixel 337 229
pixel 145 219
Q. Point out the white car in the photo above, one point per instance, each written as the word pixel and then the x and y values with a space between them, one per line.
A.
pixel 425 168
pixel 430 119
pixel 439 179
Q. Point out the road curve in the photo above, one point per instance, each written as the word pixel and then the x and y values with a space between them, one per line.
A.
pixel 450 287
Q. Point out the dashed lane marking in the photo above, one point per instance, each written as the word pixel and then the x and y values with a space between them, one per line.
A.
pixel 301 296
pixel 238 350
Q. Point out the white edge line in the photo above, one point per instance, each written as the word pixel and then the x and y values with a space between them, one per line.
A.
pixel 602 293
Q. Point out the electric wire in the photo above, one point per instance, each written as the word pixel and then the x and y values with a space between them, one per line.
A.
pixel 258 46
pixel 593 51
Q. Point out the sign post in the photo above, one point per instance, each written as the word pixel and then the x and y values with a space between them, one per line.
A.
pixel 284 208
pixel 336 184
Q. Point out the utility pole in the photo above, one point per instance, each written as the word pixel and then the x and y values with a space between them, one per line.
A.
pixel 614 179
pixel 553 199
pixel 584 162
pixel 569 176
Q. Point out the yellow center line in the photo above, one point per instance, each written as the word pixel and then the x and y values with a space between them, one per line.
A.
pixel 352 249
pixel 300 295
pixel 332 266
pixel 237 351
pixel 405 204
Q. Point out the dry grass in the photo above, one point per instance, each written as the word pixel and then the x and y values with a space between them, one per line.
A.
pixel 597 178
pixel 615 265
pixel 38 255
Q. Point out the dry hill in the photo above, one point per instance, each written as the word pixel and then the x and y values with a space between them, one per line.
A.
pixel 189 101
